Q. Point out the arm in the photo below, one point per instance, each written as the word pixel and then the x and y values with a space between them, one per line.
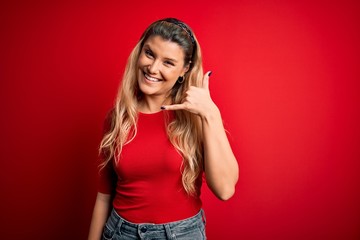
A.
pixel 100 215
pixel 221 168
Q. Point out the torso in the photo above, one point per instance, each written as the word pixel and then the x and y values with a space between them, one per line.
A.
pixel 149 186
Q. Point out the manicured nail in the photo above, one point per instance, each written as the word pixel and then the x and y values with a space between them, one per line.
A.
pixel 162 107
pixel 210 73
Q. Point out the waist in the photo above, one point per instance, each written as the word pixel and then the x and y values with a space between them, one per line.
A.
pixel 197 221
pixel 171 210
pixel 155 205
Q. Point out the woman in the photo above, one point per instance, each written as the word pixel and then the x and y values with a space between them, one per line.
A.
pixel 162 136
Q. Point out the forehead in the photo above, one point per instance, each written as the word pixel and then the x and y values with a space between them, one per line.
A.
pixel 164 48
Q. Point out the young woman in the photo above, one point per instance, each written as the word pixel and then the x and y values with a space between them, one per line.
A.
pixel 163 135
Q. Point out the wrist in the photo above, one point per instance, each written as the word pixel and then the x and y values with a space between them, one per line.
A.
pixel 211 114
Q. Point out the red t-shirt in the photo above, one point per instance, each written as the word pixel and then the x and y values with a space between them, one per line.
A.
pixel 148 177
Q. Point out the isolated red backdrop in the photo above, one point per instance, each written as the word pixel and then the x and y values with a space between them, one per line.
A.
pixel 285 75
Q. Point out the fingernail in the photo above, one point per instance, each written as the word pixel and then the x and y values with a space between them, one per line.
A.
pixel 210 73
pixel 162 107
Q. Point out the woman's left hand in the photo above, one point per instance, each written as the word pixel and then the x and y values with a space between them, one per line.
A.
pixel 197 100
pixel 220 165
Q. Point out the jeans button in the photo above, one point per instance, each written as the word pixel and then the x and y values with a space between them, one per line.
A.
pixel 143 229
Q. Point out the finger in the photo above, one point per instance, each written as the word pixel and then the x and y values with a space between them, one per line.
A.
pixel 173 107
pixel 205 83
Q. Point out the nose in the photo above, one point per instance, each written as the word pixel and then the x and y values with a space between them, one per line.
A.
pixel 154 67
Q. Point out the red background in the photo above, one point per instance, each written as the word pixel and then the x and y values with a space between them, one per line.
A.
pixel 285 75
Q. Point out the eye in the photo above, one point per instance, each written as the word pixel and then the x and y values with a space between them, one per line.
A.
pixel 169 63
pixel 148 53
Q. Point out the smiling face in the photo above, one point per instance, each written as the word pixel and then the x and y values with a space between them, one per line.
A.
pixel 160 64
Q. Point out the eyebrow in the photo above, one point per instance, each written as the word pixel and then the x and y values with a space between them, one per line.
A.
pixel 171 59
pixel 166 58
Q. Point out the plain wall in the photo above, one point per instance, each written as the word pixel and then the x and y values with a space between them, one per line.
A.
pixel 285 76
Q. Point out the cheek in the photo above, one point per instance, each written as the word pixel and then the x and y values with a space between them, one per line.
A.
pixel 140 61
pixel 143 61
pixel 176 72
pixel 171 75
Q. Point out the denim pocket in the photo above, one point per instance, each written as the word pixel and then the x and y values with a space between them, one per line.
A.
pixel 203 233
pixel 194 233
pixel 107 233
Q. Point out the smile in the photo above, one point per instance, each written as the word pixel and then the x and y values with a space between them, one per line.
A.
pixel 151 79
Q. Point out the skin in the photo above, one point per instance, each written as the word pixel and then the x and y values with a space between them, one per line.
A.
pixel 160 64
pixel 100 214
pixel 221 168
pixel 162 61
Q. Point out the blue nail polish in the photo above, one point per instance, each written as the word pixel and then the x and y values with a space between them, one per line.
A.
pixel 210 73
pixel 162 107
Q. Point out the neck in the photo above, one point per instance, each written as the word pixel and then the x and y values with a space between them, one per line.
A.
pixel 152 104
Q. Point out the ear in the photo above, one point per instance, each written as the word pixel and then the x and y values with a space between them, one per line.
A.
pixel 185 69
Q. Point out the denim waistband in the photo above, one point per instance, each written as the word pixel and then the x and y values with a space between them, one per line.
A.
pixel 169 229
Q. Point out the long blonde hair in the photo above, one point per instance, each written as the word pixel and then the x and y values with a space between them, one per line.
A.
pixel 184 130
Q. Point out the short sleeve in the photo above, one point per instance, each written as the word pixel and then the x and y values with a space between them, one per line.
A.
pixel 107 179
pixel 107 176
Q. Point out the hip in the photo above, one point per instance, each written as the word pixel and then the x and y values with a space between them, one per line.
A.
pixel 117 228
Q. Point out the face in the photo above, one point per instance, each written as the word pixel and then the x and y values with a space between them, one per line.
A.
pixel 160 64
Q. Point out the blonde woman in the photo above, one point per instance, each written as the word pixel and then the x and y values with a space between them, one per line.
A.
pixel 163 135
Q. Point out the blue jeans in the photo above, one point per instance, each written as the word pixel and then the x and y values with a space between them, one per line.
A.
pixel 117 228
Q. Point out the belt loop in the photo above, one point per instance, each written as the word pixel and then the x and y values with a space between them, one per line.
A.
pixel 203 216
pixel 118 225
pixel 169 234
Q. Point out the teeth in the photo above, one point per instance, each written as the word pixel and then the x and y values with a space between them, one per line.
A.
pixel 151 78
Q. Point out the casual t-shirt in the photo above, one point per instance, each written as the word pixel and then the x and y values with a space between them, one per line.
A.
pixel 148 177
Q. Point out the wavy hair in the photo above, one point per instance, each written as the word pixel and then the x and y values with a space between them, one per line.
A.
pixel 184 131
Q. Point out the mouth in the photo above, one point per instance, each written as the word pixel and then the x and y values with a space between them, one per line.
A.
pixel 151 79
